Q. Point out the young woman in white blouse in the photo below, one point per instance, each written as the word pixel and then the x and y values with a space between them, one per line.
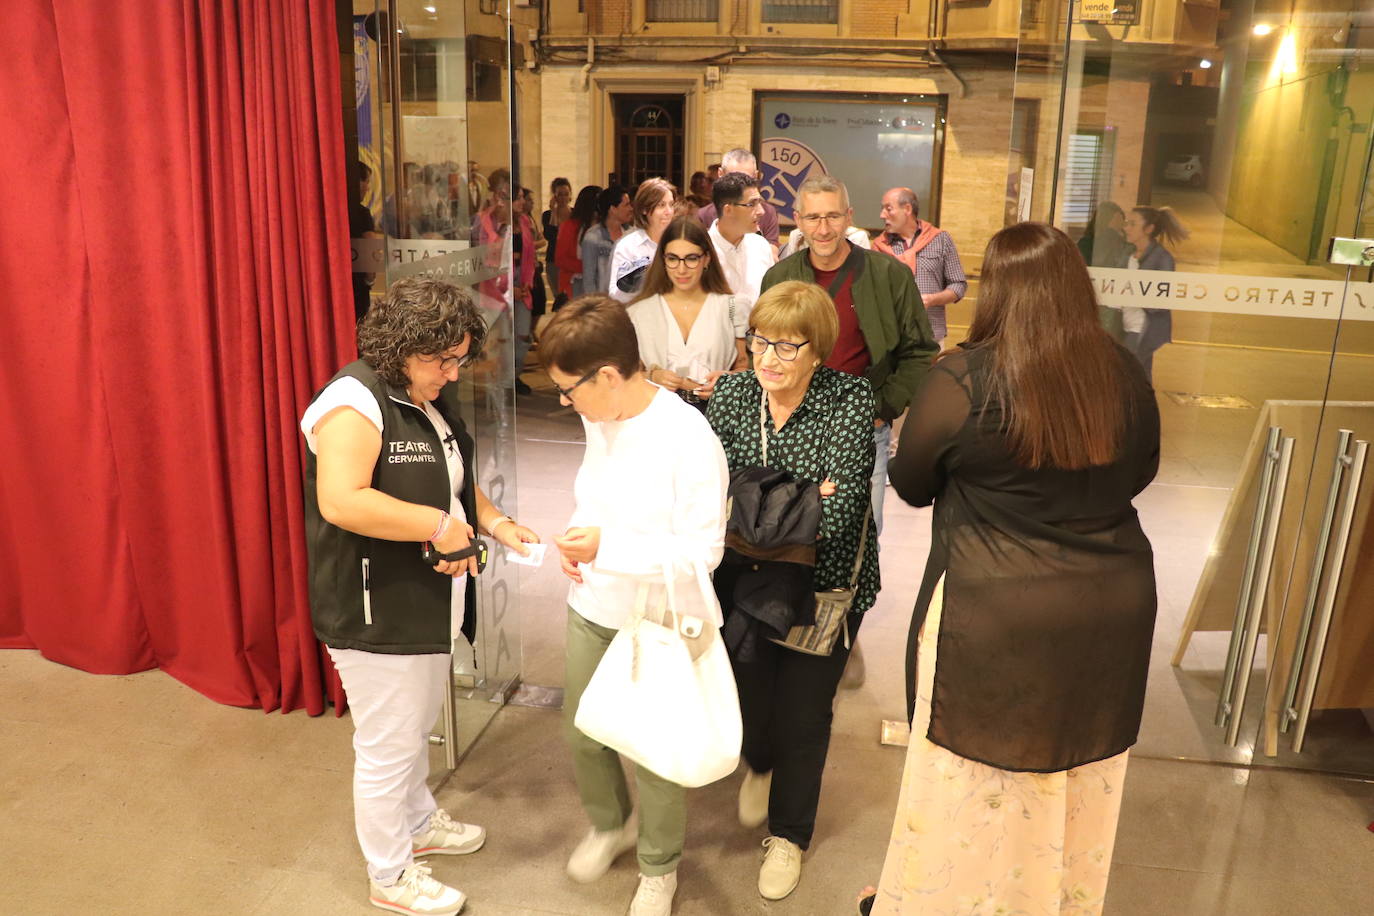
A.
pixel 653 209
pixel 690 328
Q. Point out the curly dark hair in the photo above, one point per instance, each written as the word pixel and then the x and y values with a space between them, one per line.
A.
pixel 419 316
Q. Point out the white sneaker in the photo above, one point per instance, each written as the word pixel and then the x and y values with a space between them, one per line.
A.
pixel 655 895
pixel 416 892
pixel 599 848
pixel 753 797
pixel 781 869
pixel 446 837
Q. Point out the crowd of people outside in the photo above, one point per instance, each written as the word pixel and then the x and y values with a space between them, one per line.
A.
pixel 717 372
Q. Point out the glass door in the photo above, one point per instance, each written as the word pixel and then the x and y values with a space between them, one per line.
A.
pixel 1203 154
pixel 429 134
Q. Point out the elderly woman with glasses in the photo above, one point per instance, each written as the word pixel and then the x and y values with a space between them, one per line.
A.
pixel 818 426
pixel 690 327
pixel 388 474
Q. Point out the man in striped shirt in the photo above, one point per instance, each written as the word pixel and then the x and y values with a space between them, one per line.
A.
pixel 927 250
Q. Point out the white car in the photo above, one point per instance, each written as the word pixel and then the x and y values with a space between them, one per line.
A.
pixel 1185 170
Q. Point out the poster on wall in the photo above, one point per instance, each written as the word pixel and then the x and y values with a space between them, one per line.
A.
pixel 870 141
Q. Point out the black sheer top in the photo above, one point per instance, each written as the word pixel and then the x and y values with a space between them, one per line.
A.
pixel 1049 599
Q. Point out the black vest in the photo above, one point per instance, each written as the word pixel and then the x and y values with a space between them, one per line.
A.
pixel 404 607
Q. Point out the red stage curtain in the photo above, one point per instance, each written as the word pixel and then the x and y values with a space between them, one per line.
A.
pixel 174 255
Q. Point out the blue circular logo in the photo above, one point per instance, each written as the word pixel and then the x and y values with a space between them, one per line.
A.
pixel 785 164
pixel 782 120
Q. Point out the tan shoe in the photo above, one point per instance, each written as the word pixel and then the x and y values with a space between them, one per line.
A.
pixel 753 797
pixel 781 869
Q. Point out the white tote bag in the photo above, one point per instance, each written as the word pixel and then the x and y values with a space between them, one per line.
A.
pixel 664 695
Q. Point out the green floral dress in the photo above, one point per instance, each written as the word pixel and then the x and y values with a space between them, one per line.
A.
pixel 828 436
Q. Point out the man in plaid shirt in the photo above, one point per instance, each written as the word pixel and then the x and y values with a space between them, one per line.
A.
pixel 929 253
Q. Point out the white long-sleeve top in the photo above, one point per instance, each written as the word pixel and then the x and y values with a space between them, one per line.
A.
pixel 634 252
pixel 655 485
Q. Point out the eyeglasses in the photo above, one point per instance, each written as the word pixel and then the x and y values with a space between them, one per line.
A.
pixel 449 363
pixel 786 350
pixel 812 220
pixel 567 392
pixel 754 204
pixel 693 261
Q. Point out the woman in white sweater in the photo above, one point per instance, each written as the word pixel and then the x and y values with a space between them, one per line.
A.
pixel 650 502
pixel 690 328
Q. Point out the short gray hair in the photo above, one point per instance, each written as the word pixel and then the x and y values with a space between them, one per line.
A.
pixel 739 160
pixel 824 184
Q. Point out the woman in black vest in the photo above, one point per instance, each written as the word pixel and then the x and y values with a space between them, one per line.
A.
pixel 388 469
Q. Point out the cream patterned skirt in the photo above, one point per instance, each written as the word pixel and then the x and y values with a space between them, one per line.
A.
pixel 973 840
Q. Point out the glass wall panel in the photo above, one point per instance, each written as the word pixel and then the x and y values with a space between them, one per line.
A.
pixel 432 127
pixel 1203 154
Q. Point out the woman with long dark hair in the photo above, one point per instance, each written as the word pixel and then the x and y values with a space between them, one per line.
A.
pixel 690 329
pixel 1149 329
pixel 1031 439
pixel 568 253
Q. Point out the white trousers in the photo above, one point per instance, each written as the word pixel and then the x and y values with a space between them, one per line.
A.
pixel 394 700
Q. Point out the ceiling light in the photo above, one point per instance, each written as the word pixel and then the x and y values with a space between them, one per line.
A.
pixel 1262 29
pixel 1205 64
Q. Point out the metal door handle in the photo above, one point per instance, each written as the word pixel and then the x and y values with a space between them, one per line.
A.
pixel 1268 460
pixel 1333 586
pixel 1246 662
pixel 1309 608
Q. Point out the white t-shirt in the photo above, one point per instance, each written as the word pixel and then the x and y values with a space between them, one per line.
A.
pixel 709 347
pixel 655 485
pixel 349 392
pixel 633 252
pixel 744 264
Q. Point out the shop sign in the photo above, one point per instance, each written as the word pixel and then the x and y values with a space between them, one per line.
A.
pixel 1277 297
pixel 870 141
pixel 1111 12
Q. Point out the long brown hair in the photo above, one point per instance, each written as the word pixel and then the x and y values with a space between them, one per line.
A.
pixel 686 229
pixel 1054 370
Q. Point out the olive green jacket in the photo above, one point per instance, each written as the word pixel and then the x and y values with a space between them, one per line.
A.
pixel 892 318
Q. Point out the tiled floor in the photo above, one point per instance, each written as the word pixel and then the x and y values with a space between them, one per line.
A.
pixel 137 795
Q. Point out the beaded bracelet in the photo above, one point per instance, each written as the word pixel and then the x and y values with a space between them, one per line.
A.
pixel 440 528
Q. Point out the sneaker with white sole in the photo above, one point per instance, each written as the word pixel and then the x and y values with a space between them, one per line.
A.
pixel 417 894
pixel 753 797
pixel 599 848
pixel 654 896
pixel 781 869
pixel 443 836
